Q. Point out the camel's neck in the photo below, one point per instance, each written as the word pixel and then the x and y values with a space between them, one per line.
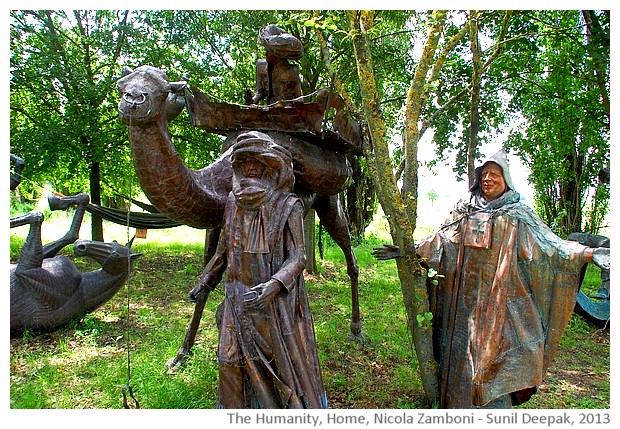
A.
pixel 175 190
pixel 98 287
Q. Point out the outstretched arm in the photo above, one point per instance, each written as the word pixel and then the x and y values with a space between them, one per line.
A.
pixel 386 251
pixel 599 256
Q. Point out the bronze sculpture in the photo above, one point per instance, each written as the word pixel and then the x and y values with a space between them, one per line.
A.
pixel 16 176
pixel 276 78
pixel 506 288
pixel 267 348
pixel 47 290
pixel 197 197
pixel 596 308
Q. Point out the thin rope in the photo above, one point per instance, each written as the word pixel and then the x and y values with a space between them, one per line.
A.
pixel 127 390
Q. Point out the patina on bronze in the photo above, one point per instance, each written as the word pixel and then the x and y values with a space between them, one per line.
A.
pixel 47 289
pixel 276 78
pixel 506 289
pixel 267 349
pixel 197 197
pixel 596 308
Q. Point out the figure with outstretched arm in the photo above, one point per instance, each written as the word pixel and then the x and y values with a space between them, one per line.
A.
pixel 506 288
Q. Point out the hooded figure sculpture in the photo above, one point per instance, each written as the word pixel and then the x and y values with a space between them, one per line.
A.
pixel 506 289
pixel 267 349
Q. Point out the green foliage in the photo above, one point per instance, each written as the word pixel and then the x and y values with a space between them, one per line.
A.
pixel 64 118
pixel 563 147
pixel 550 73
pixel 16 245
pixel 62 108
pixel 451 128
pixel 425 320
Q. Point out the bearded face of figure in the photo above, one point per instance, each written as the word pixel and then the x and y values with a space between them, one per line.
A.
pixel 492 181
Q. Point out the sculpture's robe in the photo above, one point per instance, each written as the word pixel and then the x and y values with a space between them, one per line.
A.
pixel 268 357
pixel 506 289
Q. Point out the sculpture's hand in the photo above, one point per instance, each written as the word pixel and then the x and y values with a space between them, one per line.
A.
pixel 201 287
pixel 193 294
pixel 386 251
pixel 601 258
pixel 262 294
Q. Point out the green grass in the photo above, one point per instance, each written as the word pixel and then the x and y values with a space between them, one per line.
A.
pixel 86 364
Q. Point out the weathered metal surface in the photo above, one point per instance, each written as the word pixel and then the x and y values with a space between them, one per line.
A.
pixel 505 289
pixel 48 290
pixel 324 122
pixel 596 309
pixel 319 138
pixel 267 348
pixel 197 197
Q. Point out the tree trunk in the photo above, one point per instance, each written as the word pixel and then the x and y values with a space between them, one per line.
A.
pixel 474 115
pixel 595 32
pixel 412 276
pixel 95 198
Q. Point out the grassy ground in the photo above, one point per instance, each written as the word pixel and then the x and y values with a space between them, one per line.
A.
pixel 132 336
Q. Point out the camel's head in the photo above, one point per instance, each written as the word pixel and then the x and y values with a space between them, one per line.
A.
pixel 113 257
pixel 146 95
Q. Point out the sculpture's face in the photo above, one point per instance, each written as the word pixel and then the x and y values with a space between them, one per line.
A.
pixel 143 96
pixel 492 181
pixel 112 256
pixel 253 168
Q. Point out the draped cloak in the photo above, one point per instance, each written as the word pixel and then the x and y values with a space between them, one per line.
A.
pixel 506 290
pixel 268 357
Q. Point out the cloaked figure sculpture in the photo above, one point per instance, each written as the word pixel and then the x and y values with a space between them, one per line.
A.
pixel 506 288
pixel 267 348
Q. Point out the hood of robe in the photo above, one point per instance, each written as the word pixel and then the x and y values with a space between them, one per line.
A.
pixel 500 159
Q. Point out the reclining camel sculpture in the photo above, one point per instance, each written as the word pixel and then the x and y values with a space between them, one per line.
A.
pixel 196 197
pixel 48 290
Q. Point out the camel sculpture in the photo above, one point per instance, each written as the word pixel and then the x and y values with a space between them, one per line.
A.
pixel 18 166
pixel 596 308
pixel 48 290
pixel 196 197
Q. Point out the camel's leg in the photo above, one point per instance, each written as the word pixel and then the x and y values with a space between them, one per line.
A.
pixel 211 238
pixel 60 203
pixel 330 212
pixel 32 253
